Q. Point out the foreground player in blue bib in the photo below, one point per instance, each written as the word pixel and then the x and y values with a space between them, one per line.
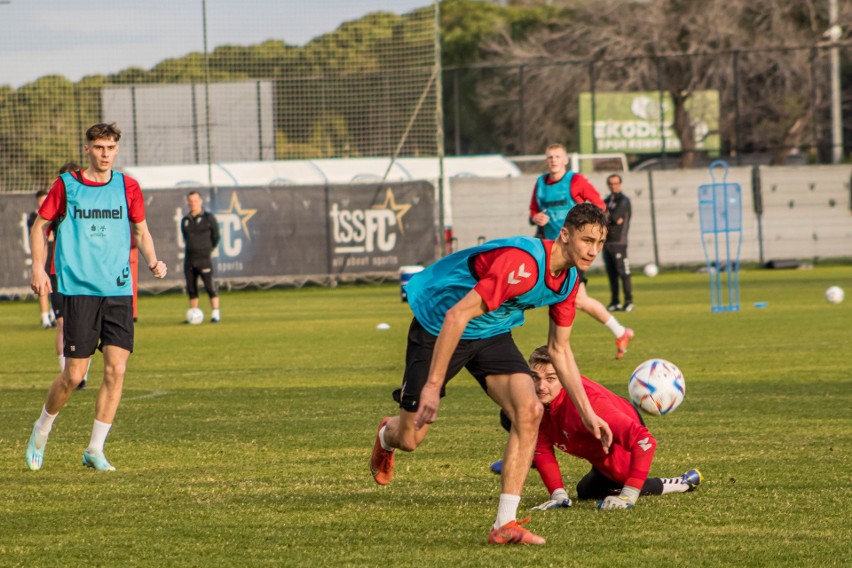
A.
pixel 94 210
pixel 465 306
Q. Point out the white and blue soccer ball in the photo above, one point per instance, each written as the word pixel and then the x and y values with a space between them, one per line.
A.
pixel 834 295
pixel 657 387
pixel 194 316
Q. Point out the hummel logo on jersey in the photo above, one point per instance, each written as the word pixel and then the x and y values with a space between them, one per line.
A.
pixel 77 213
pixel 521 274
pixel 644 444
pixel 121 281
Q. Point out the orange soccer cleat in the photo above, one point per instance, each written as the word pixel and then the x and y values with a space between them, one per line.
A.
pixel 381 462
pixel 621 342
pixel 513 533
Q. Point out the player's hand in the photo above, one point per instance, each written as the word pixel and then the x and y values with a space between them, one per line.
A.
pixel 159 269
pixel 40 282
pixel 558 500
pixel 615 502
pixel 541 218
pixel 598 426
pixel 427 408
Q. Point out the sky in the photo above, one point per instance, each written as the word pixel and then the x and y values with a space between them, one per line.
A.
pixel 75 39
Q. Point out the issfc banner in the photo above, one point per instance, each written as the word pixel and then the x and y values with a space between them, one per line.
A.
pixel 269 232
pixel 380 228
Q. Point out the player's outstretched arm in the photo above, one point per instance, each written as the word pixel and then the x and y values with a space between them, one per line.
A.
pixel 455 321
pixel 559 347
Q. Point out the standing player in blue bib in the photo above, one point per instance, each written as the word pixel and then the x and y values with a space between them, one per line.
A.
pixel 92 208
pixel 465 306
pixel 554 195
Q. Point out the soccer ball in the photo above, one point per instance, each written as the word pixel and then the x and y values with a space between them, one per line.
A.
pixel 651 270
pixel 834 295
pixel 194 316
pixel 657 387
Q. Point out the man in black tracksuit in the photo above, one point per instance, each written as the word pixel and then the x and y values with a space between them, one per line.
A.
pixel 615 248
pixel 200 232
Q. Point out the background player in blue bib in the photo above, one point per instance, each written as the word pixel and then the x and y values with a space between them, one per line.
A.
pixel 95 209
pixel 554 194
pixel 465 306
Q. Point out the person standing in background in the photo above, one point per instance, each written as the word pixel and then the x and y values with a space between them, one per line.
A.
pixel 615 249
pixel 200 232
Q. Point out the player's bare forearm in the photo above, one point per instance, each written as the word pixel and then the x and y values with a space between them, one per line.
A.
pixel 40 282
pixel 559 347
pixel 146 246
pixel 455 321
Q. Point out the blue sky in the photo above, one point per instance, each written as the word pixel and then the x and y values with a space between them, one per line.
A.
pixel 74 39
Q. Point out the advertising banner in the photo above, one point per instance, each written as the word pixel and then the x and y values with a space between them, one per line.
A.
pixel 630 123
pixel 269 232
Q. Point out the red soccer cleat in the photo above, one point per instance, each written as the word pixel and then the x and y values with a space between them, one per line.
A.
pixel 513 533
pixel 381 462
pixel 621 342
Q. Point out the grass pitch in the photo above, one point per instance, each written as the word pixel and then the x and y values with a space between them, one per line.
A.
pixel 247 443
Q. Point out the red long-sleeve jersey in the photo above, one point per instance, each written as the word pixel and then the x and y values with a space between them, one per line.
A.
pixel 632 451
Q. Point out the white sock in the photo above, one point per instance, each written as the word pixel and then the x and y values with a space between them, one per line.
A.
pixel 507 510
pixel 215 314
pixel 61 362
pixel 674 485
pixel 45 318
pixel 616 328
pixel 45 422
pixel 382 439
pixel 89 366
pixel 99 434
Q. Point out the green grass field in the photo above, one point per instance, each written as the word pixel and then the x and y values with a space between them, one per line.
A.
pixel 247 443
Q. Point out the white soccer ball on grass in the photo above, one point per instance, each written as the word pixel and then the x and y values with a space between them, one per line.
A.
pixel 657 387
pixel 651 270
pixel 834 295
pixel 194 316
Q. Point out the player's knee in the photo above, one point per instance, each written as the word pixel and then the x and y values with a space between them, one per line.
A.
pixel 529 415
pixel 114 371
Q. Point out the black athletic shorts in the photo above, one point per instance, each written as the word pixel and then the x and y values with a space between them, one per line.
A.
pixel 91 322
pixel 55 297
pixel 496 355
pixel 195 267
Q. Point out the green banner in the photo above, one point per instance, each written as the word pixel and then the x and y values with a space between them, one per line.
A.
pixel 630 123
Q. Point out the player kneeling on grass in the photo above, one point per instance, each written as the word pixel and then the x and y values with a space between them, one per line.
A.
pixel 465 306
pixel 617 478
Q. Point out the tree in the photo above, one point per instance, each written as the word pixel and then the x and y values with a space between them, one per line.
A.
pixel 680 46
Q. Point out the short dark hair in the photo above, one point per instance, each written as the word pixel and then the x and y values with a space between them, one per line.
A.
pixel 586 214
pixel 610 176
pixel 41 193
pixel 103 130
pixel 69 167
pixel 193 192
pixel 541 356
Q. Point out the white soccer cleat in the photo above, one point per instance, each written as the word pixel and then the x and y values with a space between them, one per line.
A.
pixel 35 450
pixel 96 460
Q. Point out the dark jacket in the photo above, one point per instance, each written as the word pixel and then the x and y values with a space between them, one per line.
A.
pixel 618 207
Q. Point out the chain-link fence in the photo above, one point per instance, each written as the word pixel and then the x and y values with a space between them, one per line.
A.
pixel 757 106
pixel 371 88
pixel 368 88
